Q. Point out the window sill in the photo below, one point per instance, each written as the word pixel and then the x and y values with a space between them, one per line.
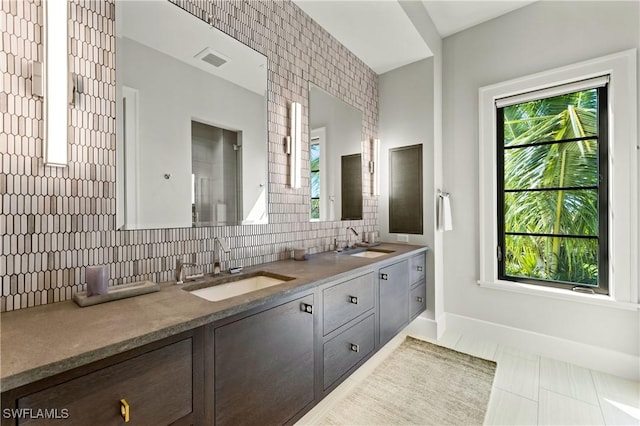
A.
pixel 560 294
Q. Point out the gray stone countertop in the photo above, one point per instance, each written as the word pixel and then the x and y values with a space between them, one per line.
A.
pixel 42 341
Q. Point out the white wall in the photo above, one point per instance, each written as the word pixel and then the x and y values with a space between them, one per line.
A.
pixel 406 118
pixel 171 94
pixel 539 37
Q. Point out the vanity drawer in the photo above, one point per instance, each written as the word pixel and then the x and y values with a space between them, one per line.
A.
pixel 347 349
pixel 156 385
pixel 418 300
pixel 417 267
pixel 345 301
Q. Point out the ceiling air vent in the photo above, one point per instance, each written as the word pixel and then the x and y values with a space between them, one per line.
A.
pixel 212 57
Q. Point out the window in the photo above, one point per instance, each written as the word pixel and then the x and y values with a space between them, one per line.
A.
pixel 315 179
pixel 618 270
pixel 553 187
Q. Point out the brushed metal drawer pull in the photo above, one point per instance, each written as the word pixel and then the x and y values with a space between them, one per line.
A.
pixel 419 299
pixel 124 410
pixel 355 348
pixel 305 307
pixel 353 299
pixel 384 277
pixel 420 268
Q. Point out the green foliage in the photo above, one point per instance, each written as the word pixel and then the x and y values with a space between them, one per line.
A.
pixel 314 154
pixel 558 165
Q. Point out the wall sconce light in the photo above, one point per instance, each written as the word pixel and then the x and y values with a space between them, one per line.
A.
pixel 294 145
pixel 374 169
pixel 56 83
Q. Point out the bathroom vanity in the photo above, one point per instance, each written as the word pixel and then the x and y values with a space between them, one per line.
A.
pixel 171 357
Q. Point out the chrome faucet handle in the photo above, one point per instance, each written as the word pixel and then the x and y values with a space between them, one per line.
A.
pixel 222 245
pixel 352 229
pixel 180 264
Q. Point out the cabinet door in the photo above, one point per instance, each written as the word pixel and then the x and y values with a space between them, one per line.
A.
pixel 264 366
pixel 345 301
pixel 417 268
pixel 394 299
pixel 157 386
pixel 418 300
pixel 347 349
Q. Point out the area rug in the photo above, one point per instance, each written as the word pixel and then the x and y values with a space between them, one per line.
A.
pixel 419 384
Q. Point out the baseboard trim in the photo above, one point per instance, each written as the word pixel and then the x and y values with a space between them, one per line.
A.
pixel 424 328
pixel 588 356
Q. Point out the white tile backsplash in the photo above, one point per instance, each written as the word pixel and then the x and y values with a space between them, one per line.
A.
pixel 55 222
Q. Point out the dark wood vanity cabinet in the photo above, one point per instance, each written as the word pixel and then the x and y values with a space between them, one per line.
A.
pixel 418 291
pixel 264 365
pixel 393 288
pixel 348 318
pixel 344 301
pixel 347 349
pixel 158 384
pixel 402 294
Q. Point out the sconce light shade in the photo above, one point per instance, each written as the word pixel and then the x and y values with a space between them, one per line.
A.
pixel 375 167
pixel 56 83
pixel 296 145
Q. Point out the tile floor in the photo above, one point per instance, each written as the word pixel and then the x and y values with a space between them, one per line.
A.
pixel 527 390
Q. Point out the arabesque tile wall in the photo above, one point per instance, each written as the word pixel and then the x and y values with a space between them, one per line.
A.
pixel 56 221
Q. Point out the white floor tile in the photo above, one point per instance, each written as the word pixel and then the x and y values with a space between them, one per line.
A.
pixel 518 375
pixel 510 350
pixel 506 408
pixel 567 379
pixel 557 409
pixel 477 347
pixel 619 399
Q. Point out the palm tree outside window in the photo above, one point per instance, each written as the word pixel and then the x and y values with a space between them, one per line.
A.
pixel 315 179
pixel 553 190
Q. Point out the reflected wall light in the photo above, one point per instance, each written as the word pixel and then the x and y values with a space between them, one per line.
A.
pixel 294 145
pixel 374 169
pixel 56 83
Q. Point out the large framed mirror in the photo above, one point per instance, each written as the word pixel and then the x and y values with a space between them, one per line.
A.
pixel 191 119
pixel 335 155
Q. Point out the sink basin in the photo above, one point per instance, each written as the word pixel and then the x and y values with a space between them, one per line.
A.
pixel 225 288
pixel 368 253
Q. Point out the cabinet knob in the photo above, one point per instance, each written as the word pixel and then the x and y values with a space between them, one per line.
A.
pixel 355 348
pixel 419 299
pixel 420 268
pixel 353 299
pixel 384 277
pixel 305 307
pixel 124 410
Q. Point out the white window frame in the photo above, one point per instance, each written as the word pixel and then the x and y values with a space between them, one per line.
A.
pixel 623 176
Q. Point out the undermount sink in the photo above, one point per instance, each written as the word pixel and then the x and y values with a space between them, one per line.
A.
pixel 224 288
pixel 368 253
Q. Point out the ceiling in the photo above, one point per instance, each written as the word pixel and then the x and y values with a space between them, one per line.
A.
pixel 381 34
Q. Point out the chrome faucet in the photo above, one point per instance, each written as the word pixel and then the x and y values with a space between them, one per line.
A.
pixel 180 275
pixel 352 229
pixel 218 244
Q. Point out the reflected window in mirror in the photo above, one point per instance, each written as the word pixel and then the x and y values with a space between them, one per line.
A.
pixel 180 82
pixel 314 158
pixel 335 129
